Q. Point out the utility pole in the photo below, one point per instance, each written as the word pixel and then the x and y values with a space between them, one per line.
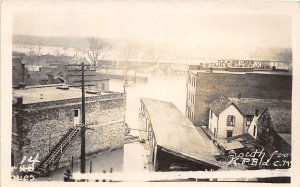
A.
pixel 83 124
pixel 82 160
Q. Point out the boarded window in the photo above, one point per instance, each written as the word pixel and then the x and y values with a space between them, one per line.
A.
pixel 230 120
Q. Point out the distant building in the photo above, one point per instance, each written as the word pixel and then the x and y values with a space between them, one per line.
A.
pixel 204 86
pixel 230 117
pixel 274 129
pixel 46 119
pixel 172 140
pixel 32 75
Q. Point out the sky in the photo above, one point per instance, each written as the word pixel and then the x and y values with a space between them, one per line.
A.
pixel 167 24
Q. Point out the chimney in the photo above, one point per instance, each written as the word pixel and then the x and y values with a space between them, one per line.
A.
pixel 240 96
pixel 256 112
pixel 23 71
pixel 21 85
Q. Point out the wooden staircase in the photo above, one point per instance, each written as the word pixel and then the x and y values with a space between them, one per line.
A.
pixel 56 152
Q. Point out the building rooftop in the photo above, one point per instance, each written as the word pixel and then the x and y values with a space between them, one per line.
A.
pixel 173 131
pixel 216 71
pixel 247 106
pixel 220 104
pixel 286 136
pixel 32 94
pixel 281 118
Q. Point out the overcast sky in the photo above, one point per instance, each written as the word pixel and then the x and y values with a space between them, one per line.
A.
pixel 169 24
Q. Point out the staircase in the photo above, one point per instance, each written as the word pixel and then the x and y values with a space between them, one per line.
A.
pixel 56 152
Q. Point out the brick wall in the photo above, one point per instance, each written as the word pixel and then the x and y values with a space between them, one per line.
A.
pixel 44 124
pixel 264 86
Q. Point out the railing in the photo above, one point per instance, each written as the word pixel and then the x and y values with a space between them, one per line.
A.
pixel 59 148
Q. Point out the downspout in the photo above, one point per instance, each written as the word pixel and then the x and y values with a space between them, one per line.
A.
pixel 217 128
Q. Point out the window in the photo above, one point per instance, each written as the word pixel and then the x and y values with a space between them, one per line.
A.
pixel 210 112
pixel 192 115
pixel 248 120
pixel 254 130
pixel 102 86
pixel 28 76
pixel 229 134
pixel 230 120
pixel 75 113
pixel 193 99
pixel 194 81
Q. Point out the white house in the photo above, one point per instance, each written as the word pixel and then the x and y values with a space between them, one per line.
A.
pixel 235 116
pixel 225 119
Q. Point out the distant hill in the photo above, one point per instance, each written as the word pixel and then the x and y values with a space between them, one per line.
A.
pixel 149 49
pixel 68 42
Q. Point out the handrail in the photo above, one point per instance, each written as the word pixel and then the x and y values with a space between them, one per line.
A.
pixel 60 148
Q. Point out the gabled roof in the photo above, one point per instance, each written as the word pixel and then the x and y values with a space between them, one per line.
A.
pixel 220 104
pixel 246 106
pixel 173 131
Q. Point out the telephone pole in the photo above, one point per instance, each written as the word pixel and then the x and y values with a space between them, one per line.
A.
pixel 82 155
pixel 83 124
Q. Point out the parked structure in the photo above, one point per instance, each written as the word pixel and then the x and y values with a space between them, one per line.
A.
pixel 204 86
pixel 233 116
pixel 46 119
pixel 172 140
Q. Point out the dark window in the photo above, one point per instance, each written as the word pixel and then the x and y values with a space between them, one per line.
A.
pixel 230 120
pixel 254 130
pixel 229 134
pixel 248 120
pixel 28 76
pixel 210 113
pixel 76 113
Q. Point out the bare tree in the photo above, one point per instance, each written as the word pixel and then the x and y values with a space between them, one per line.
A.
pixel 96 51
pixel 39 53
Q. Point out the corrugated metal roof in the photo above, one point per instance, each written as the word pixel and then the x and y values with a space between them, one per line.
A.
pixel 174 131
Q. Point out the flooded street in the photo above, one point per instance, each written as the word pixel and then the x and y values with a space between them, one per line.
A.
pixel 167 88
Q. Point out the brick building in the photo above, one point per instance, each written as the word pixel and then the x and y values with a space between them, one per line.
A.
pixel 44 117
pixel 204 86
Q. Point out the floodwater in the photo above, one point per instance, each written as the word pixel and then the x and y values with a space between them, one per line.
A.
pixel 165 88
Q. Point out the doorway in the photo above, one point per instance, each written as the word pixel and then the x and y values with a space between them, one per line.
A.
pixel 76 117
